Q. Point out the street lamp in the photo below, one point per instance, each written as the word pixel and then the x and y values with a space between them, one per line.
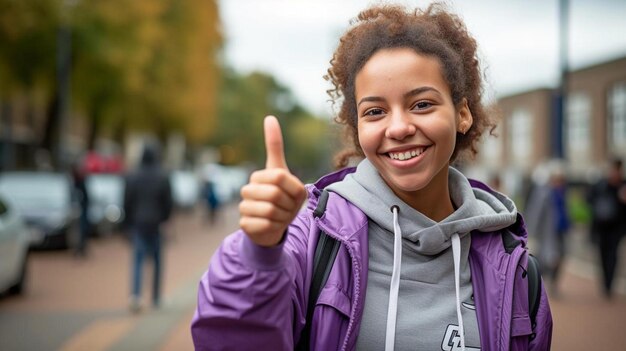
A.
pixel 64 69
pixel 559 122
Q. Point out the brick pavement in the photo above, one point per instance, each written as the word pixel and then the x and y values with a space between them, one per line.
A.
pixel 583 319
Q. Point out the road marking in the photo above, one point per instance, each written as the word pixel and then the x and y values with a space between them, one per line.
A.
pixel 99 335
pixel 154 327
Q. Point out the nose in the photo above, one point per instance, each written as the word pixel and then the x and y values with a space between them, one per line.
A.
pixel 400 126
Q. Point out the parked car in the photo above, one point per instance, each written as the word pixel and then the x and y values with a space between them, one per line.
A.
pixel 46 202
pixel 106 202
pixel 14 242
pixel 185 189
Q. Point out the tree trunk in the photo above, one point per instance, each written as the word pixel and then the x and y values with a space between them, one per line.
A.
pixel 50 132
pixel 94 128
pixel 7 158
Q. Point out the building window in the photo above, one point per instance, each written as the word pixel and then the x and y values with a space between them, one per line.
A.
pixel 617 118
pixel 520 136
pixel 578 128
pixel 491 150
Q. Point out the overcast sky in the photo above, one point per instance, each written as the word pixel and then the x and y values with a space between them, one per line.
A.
pixel 518 39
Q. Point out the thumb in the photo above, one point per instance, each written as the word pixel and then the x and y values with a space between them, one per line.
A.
pixel 273 144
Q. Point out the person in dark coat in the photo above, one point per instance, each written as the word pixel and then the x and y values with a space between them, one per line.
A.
pixel 607 200
pixel 84 228
pixel 147 204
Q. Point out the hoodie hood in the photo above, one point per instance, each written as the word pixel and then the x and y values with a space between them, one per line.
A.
pixel 476 209
pixel 150 156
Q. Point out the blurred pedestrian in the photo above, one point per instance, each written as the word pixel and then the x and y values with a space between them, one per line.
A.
pixel 607 199
pixel 147 204
pixel 548 222
pixel 84 227
pixel 209 193
pixel 211 200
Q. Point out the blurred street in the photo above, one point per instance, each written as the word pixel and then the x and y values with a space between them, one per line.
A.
pixel 74 304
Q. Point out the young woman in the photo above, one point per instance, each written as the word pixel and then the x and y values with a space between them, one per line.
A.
pixel 428 260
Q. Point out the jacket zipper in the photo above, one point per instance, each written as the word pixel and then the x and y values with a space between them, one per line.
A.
pixel 357 279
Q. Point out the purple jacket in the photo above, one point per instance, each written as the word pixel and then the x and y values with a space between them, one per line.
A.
pixel 255 298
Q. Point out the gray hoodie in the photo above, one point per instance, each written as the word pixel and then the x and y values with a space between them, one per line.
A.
pixel 431 279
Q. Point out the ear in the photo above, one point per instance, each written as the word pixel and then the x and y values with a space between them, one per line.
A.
pixel 464 118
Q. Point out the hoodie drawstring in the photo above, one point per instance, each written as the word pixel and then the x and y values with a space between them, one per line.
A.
pixel 456 253
pixel 392 311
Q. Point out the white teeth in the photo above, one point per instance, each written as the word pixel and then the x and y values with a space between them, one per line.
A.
pixel 405 155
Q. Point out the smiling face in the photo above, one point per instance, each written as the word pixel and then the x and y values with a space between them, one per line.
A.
pixel 407 122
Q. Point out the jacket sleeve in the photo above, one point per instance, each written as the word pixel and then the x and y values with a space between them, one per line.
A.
pixel 251 297
pixel 543 327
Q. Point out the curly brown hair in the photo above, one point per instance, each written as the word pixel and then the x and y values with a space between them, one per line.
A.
pixel 433 32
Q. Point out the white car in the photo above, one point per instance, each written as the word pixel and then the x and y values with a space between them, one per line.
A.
pixel 185 189
pixel 14 243
pixel 46 202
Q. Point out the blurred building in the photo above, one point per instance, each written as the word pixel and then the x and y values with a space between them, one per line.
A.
pixel 594 129
pixel 18 138
pixel 22 128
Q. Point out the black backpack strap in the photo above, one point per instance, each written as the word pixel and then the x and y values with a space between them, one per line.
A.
pixel 534 278
pixel 321 204
pixel 534 290
pixel 325 253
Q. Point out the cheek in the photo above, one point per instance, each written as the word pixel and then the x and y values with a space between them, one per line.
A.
pixel 365 138
pixel 444 134
pixel 450 134
pixel 447 128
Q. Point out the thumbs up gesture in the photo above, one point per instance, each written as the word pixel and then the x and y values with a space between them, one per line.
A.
pixel 272 198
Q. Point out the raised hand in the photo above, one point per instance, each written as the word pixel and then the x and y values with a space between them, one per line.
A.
pixel 272 198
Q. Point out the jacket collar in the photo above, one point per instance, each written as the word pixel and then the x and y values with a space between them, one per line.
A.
pixel 338 209
pixel 341 218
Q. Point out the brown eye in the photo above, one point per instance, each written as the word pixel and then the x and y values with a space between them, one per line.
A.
pixel 374 112
pixel 422 105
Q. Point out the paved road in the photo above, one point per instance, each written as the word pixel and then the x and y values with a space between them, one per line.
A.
pixel 76 304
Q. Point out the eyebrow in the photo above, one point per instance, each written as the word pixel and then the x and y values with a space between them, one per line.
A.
pixel 413 92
